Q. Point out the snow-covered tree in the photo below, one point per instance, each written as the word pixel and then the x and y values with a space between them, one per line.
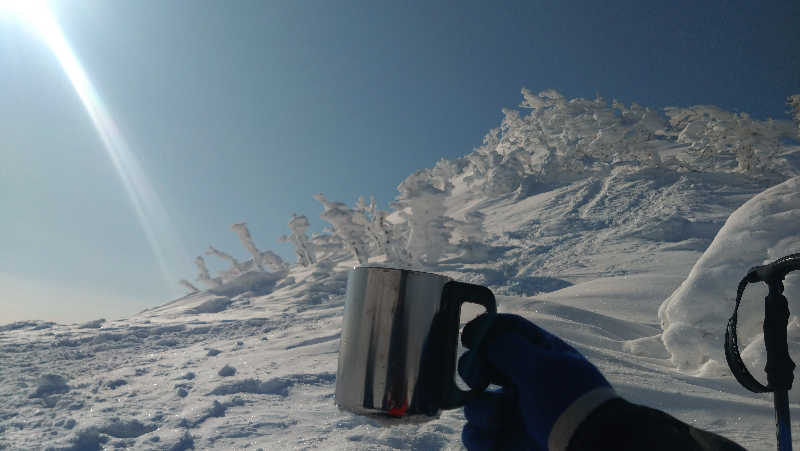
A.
pixel 381 233
pixel 472 237
pixel 204 276
pixel 555 139
pixel 304 248
pixel 794 109
pixel 347 226
pixel 267 258
pixel 236 267
pixel 247 241
pixel 189 286
pixel 329 246
pixel 445 171
pixel 273 261
pixel 558 139
pixel 421 204
pixel 727 141
pixel 478 162
pixel 549 140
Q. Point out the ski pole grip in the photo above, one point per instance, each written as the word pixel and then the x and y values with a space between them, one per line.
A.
pixel 780 367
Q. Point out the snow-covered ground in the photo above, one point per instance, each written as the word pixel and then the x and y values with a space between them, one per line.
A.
pixel 591 256
pixel 156 381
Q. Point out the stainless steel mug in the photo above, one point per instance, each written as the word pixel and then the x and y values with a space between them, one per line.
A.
pixel 397 354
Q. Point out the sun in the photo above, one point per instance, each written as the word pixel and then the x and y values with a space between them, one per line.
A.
pixel 30 10
pixel 35 15
pixel 153 217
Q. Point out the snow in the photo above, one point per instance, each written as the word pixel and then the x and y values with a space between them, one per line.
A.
pixel 759 232
pixel 591 220
pixel 95 324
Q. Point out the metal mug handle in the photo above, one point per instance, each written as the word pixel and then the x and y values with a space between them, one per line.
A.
pixel 453 295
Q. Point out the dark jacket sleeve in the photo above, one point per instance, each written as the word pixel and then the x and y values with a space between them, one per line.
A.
pixel 624 426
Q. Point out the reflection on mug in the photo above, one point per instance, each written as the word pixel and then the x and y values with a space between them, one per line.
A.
pixel 397 355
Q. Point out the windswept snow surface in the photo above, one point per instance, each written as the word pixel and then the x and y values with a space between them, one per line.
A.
pixel 580 216
pixel 151 382
pixel 156 380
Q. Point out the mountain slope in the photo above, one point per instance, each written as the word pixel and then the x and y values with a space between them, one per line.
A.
pixel 582 216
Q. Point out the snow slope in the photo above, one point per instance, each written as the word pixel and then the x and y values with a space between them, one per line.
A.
pixel 590 253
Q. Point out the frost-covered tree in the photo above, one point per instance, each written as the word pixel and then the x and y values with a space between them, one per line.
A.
pixel 728 141
pixel 236 267
pixel 445 171
pixel 273 261
pixel 204 276
pixel 329 246
pixel 304 248
pixel 381 233
pixel 421 204
pixel 266 258
pixel 247 241
pixel 549 140
pixel 471 237
pixel 347 226
pixel 794 109
pixel 478 162
pixel 189 286
pixel 555 139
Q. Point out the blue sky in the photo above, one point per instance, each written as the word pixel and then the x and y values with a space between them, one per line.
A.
pixel 241 111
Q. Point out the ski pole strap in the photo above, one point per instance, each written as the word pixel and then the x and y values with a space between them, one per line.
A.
pixel 780 367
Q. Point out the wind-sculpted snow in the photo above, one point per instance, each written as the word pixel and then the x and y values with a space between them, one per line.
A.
pixel 96 324
pixel 35 325
pixel 530 286
pixel 760 231
pixel 278 386
pixel 50 384
pixel 283 348
pixel 258 283
pixel 213 305
pixel 126 428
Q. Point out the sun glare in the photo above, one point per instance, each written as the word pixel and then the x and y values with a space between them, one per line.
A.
pixel 30 11
pixel 148 207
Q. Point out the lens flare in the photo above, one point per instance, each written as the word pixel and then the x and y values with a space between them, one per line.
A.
pixel 151 213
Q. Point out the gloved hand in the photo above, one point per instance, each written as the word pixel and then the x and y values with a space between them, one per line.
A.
pixel 548 387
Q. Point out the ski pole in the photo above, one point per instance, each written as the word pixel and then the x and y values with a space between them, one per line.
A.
pixel 779 367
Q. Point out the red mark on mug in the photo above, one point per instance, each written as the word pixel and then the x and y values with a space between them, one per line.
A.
pixel 399 411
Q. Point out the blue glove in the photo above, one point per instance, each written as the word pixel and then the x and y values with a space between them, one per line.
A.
pixel 548 387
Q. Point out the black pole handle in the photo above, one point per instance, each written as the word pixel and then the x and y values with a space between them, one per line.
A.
pixel 780 367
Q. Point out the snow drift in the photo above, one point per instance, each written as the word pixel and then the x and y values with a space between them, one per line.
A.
pixel 693 318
